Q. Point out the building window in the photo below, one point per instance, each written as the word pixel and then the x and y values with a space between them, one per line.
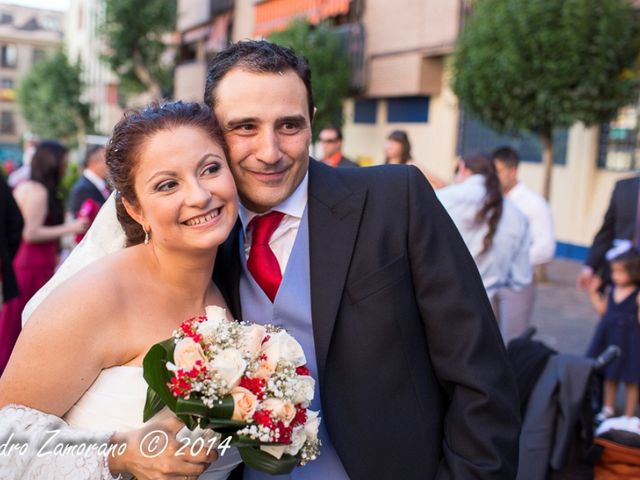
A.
pixel 6 82
pixel 6 18
pixel 619 141
pixel 7 126
pixel 365 111
pixel 38 54
pixel 8 56
pixel 408 110
pixel 475 136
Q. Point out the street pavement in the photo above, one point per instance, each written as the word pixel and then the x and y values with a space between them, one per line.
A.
pixel 562 314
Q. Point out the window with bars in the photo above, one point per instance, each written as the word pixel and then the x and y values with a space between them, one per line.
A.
pixel 8 56
pixel 619 141
pixel 474 136
pixel 7 124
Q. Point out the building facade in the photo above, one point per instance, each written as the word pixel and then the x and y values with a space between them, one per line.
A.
pixel 27 35
pixel 84 44
pixel 399 54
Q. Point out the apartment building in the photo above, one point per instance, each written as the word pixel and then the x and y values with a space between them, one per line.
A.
pixel 27 35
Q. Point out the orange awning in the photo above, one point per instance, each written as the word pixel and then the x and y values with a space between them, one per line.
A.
pixel 274 15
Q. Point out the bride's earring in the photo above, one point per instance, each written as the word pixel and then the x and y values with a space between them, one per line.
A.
pixel 146 236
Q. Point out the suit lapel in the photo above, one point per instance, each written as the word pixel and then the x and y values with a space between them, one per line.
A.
pixel 228 269
pixel 334 219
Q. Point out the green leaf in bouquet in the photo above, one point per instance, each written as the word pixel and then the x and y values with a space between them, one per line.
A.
pixel 157 376
pixel 152 405
pixel 246 441
pixel 263 462
pixel 217 417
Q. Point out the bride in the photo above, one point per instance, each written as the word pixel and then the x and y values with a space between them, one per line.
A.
pixel 76 367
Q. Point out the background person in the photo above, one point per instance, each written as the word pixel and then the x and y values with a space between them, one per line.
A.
pixel 93 181
pixel 514 308
pixel 621 224
pixel 331 140
pixel 495 231
pixel 11 224
pixel 620 326
pixel 397 151
pixel 37 257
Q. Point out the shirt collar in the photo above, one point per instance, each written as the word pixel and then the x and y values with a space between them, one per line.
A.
pixel 293 205
pixel 334 159
pixel 95 179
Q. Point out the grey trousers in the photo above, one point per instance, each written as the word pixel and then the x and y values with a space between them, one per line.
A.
pixel 513 310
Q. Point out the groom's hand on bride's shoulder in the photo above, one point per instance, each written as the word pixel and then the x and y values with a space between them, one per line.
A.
pixel 153 453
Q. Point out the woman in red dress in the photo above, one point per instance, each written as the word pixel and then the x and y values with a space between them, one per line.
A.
pixel 43 212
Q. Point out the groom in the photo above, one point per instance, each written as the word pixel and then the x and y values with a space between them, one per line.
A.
pixel 367 271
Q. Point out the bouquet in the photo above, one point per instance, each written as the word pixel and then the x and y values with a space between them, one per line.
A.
pixel 247 382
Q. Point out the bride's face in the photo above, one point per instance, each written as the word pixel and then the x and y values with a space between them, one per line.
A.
pixel 186 194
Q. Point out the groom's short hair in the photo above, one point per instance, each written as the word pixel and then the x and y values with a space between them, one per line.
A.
pixel 257 56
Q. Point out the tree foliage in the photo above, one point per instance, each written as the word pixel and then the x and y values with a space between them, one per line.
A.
pixel 49 99
pixel 330 70
pixel 537 65
pixel 136 51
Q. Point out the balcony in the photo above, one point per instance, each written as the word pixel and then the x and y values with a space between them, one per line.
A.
pixel 352 38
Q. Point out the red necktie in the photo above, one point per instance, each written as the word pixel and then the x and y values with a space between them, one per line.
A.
pixel 262 262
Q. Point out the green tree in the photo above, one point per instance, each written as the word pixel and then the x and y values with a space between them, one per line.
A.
pixel 49 99
pixel 539 65
pixel 330 80
pixel 136 51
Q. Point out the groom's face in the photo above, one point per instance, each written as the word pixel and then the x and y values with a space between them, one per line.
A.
pixel 266 124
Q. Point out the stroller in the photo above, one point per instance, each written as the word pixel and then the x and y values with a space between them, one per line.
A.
pixel 560 395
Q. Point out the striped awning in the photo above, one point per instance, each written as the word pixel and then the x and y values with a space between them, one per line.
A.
pixel 274 15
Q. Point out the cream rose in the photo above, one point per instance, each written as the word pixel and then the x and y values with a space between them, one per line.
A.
pixel 282 346
pixel 187 353
pixel 304 389
pixel 230 365
pixel 244 404
pixel 251 340
pixel 282 409
pixel 264 371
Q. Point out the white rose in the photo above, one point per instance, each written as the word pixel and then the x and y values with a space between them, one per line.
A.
pixel 274 450
pixel 251 340
pixel 291 350
pixel 298 437
pixel 187 353
pixel 312 426
pixel 230 365
pixel 283 346
pixel 215 316
pixel 303 390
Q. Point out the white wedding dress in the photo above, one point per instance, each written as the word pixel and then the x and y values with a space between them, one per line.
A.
pixel 114 402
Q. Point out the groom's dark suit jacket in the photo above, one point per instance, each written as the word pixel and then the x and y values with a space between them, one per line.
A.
pixel 414 378
pixel 619 221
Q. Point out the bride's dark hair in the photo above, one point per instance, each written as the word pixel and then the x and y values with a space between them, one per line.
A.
pixel 128 139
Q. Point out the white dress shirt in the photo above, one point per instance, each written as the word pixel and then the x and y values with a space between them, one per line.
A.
pixel 99 182
pixel 283 238
pixel 506 263
pixel 537 211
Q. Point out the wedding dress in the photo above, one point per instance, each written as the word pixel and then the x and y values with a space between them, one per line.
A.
pixel 114 402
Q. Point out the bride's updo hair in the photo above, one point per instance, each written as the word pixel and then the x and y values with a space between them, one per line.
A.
pixel 128 140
